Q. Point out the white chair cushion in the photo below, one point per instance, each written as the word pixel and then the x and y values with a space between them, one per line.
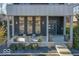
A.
pixel 21 39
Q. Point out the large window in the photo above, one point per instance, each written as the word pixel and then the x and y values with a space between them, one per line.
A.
pixel 21 24
pixel 38 25
pixel 29 25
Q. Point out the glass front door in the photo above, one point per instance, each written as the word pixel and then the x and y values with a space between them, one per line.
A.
pixel 55 27
pixel 52 27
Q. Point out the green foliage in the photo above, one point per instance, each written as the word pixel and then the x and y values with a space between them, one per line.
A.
pixel 2 33
pixel 67 30
pixel 40 40
pixel 67 33
pixel 13 47
pixel 76 35
pixel 19 46
pixel 33 46
pixel 0 23
pixel 76 38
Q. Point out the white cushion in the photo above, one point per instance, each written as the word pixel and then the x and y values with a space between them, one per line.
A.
pixel 21 39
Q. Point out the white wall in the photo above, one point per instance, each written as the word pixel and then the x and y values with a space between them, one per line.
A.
pixel 43 10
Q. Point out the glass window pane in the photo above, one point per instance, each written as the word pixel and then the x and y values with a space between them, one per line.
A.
pixel 29 25
pixel 21 24
pixel 37 25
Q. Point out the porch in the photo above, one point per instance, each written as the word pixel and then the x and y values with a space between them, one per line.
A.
pixel 44 32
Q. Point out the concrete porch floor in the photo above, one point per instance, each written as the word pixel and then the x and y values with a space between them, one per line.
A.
pixel 56 38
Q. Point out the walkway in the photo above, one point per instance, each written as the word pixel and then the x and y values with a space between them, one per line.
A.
pixel 63 50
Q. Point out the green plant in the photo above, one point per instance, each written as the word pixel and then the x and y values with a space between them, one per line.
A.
pixel 20 46
pixel 76 34
pixel 67 30
pixel 33 46
pixel 76 40
pixel 68 46
pixel 67 33
pixel 40 40
pixel 13 47
pixel 2 34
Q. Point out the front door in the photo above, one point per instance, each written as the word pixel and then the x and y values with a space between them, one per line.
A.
pixel 52 27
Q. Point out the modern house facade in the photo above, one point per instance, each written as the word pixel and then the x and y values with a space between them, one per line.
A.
pixel 45 21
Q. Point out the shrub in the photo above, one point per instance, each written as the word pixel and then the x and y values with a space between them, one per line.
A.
pixel 39 40
pixel 13 47
pixel 76 40
pixel 67 30
pixel 76 37
pixel 33 46
pixel 20 46
pixel 76 34
pixel 2 34
pixel 67 33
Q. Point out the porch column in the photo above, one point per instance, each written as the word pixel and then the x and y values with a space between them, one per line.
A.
pixel 47 29
pixel 12 26
pixel 71 31
pixel 64 26
pixel 8 32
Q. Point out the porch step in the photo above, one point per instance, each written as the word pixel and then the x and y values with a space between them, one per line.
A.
pixel 53 53
pixel 63 50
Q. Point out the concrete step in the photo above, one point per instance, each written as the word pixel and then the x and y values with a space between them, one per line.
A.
pixel 53 54
pixel 63 50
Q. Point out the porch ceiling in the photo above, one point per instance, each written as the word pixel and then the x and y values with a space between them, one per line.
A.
pixel 39 10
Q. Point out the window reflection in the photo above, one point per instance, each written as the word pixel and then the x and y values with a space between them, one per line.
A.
pixel 21 24
pixel 37 25
pixel 29 25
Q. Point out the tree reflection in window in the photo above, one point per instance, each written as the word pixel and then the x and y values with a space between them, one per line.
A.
pixel 37 25
pixel 21 25
pixel 29 25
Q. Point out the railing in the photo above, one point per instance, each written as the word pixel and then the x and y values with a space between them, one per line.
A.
pixel 41 43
